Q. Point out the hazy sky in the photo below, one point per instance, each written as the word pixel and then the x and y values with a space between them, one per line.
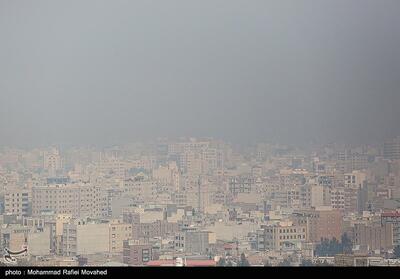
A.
pixel 103 72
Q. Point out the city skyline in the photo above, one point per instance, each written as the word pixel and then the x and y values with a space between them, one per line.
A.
pixel 201 202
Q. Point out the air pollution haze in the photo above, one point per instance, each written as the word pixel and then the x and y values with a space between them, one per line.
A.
pixel 182 133
pixel 104 72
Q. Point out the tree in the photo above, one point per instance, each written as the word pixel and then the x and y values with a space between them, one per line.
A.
pixel 397 252
pixel 335 247
pixel 326 247
pixel 329 248
pixel 221 262
pixel 306 263
pixel 243 261
pixel 347 245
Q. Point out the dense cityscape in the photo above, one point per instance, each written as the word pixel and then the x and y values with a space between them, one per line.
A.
pixel 201 202
pixel 141 136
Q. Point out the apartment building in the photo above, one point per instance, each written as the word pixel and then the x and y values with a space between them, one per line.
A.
pixel 52 161
pixel 159 228
pixel 16 237
pixel 320 222
pixel 143 190
pixel 313 195
pixel 355 179
pixel 84 237
pixel 241 184
pixel 137 253
pixel 337 198
pixel 391 149
pixel 373 237
pixel 119 232
pixel 17 201
pixel 282 236
pixel 193 242
pixel 350 160
pixel 77 199
pixel 393 218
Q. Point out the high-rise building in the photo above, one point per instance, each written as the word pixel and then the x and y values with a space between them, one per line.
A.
pixel 77 199
pixel 391 149
pixel 52 162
